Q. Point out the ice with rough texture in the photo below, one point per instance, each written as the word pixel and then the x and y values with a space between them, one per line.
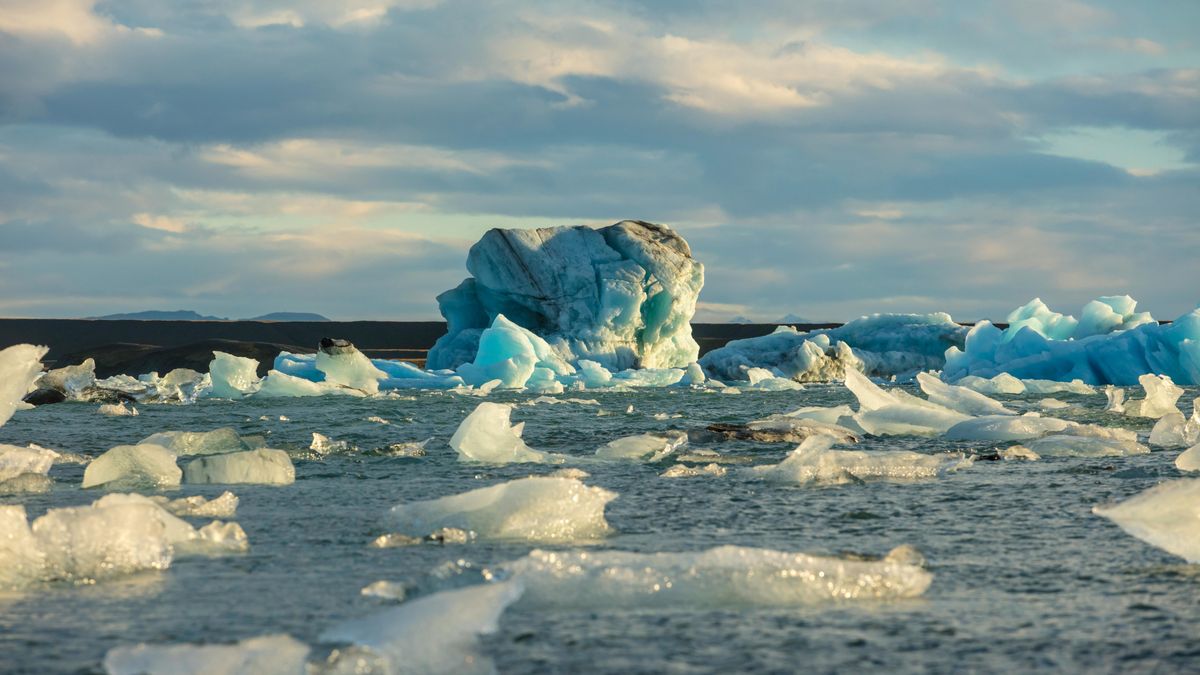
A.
pixel 265 655
pixel 345 366
pixel 212 442
pixel 880 344
pixel 487 435
pixel 16 460
pixel 533 509
pixel 1111 345
pixel 1006 428
pixel 20 367
pixel 721 577
pixel 233 376
pixel 1173 430
pixel 1116 399
pixel 132 466
pixel 896 413
pixel 1002 383
pixel 118 410
pixel 962 399
pixel 1161 396
pixel 431 635
pixel 622 296
pixel 72 381
pixel 1166 516
pixel 650 447
pixel 816 462
pixel 263 466
pixel 514 356
pixel 221 506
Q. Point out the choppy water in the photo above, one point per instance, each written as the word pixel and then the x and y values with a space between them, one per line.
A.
pixel 1025 577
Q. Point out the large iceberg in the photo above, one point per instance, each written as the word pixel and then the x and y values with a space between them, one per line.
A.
pixel 534 509
pixel 880 344
pixel 621 295
pixel 726 576
pixel 1110 344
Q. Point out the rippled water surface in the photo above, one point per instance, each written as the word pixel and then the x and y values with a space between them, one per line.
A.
pixel 1025 577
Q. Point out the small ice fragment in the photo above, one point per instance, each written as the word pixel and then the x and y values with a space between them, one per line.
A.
pixel 395 540
pixel 130 466
pixel 118 410
pixel 1164 516
pixel 222 506
pixel 266 655
pixel 450 535
pixel 27 483
pixel 212 442
pixel 1189 460
pixel 569 472
pixel 487 435
pixel 1072 445
pixel 1174 431
pixel 643 447
pixel 16 460
pixel 263 467
pixel 407 449
pixel 1002 383
pixel 233 376
pixel 386 590
pixel 344 365
pixel 1053 404
pixel 783 429
pixel 1161 395
pixel 377 420
pixel 685 471
pixel 629 410
pixel 1116 399
pixel 219 537
pixel 815 461
pixel 534 509
pixel 324 445
pixel 1019 452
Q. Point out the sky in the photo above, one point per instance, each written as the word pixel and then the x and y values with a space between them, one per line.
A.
pixel 824 159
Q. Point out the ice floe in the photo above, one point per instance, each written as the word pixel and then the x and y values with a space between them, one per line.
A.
pixel 1173 430
pixel 1071 445
pixel 133 466
pixel 345 366
pixel 533 509
pixel 487 435
pixel 232 376
pixel 650 447
pixel 1165 516
pixel 225 439
pixel 1006 428
pixel 263 466
pixel 685 471
pixel 815 462
pixel 962 399
pixel 895 412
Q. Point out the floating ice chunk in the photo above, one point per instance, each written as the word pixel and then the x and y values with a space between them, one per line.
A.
pixel 1189 460
pixel 784 429
pixel 1005 428
pixel 593 375
pixel 377 420
pixel 20 367
pixel 27 483
pixel 181 384
pixel 266 655
pixel 1116 399
pixel 221 506
pixel 649 377
pixel 487 435
pixel 345 366
pixel 232 376
pixel 1036 316
pixel 1070 445
pixel 212 442
pixel 324 445
pixel 962 399
pixel 1055 387
pixel 833 415
pixel 569 472
pixel 21 558
pixel 70 380
pixel 406 449
pixel 534 509
pixel 217 537
pixel 1161 395
pixel 263 467
pixel 116 535
pixel 1019 452
pixel 726 576
pixel 1174 431
pixel 15 460
pixel 815 462
pixel 118 410
pixel 1002 383
pixel 385 590
pixel 278 384
pixel 685 471
pixel 693 375
pixel 431 635
pixel 133 466
pixel 761 378
pixel 1164 516
pixel 643 447
pixel 1052 404
pixel 894 413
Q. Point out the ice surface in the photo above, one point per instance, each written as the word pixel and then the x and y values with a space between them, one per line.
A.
pixel 16 460
pixel 784 429
pixel 20 367
pixel 1052 404
pixel 70 380
pixel 431 635
pixel 488 435
pixel 534 509
pixel 962 399
pixel 181 384
pixel 265 655
pixel 650 447
pixel 722 577
pixel 278 384
pixel 385 590
pixel 1006 428
pixel 1189 460
pixel 1161 395
pixel 1071 445
pixel 221 506
pixel 1165 516
pixel 133 466
pixel 118 410
pixel 1002 383
pixel 1112 345
pixel 1116 399
pixel 894 413
pixel 1174 431
pixel 263 467
pixel 114 536
pixel 345 366
pixel 815 462
pixel 513 355
pixel 880 344
pixel 622 295
pixel 212 442
pixel 232 376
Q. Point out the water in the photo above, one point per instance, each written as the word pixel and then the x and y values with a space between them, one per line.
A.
pixel 1025 577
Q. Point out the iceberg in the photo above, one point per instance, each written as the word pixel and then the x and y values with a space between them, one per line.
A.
pixel 643 447
pixel 20 367
pixel 232 376
pixel 533 509
pixel 721 577
pixel 133 466
pixel 815 462
pixel 487 435
pixel 266 655
pixel 879 345
pixel 1161 396
pixel 345 366
pixel 212 442
pixel 1112 344
pixel 431 635
pixel 1165 516
pixel 71 381
pixel 622 296
pixel 262 467
pixel 221 506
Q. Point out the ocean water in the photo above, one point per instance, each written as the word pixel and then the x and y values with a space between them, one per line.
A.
pixel 1025 577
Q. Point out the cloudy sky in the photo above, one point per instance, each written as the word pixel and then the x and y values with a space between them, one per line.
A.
pixel 827 159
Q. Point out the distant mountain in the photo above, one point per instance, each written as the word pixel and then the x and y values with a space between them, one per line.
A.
pixel 159 315
pixel 290 316
pixel 740 319
pixel 794 318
